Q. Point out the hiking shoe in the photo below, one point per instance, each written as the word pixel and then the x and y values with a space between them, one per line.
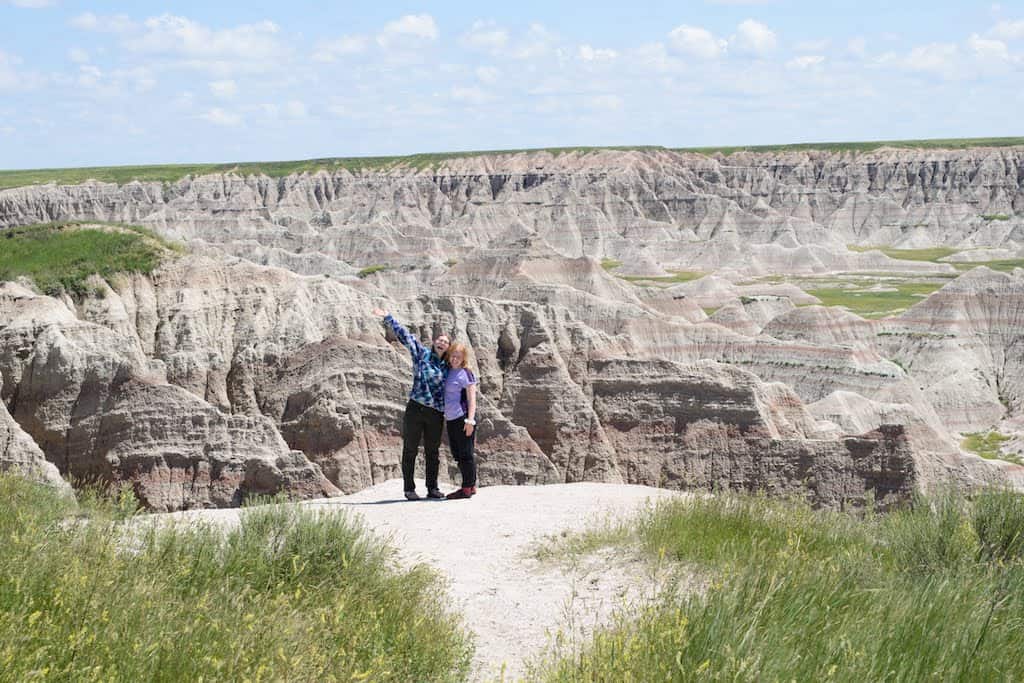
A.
pixel 435 493
pixel 412 495
pixel 460 494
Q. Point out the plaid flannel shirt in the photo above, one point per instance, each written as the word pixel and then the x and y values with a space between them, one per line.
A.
pixel 428 370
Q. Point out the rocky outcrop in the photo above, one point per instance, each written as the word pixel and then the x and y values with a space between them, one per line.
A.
pixel 964 346
pixel 651 210
pixel 20 454
pixel 216 378
pixel 713 426
pixel 101 411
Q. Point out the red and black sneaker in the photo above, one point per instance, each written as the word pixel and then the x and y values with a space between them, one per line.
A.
pixel 459 494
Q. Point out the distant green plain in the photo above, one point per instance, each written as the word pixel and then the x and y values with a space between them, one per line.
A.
pixel 276 169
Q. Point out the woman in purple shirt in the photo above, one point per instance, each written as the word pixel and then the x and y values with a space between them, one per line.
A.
pixel 460 417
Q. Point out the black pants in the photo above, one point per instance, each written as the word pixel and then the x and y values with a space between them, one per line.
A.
pixel 462 450
pixel 421 424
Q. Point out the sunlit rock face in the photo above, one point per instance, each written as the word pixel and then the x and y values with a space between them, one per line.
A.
pixel 252 365
pixel 650 210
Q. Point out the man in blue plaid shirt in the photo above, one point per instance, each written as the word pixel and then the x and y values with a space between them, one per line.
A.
pixel 424 414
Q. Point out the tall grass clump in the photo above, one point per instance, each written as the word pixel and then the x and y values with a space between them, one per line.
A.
pixel 933 591
pixel 287 595
pixel 60 257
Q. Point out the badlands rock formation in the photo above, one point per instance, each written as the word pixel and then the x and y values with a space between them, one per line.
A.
pixel 651 210
pixel 218 377
pixel 19 453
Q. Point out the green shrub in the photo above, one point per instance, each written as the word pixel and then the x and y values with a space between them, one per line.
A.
pixel 60 257
pixel 370 270
pixel 998 520
pixel 987 445
pixel 930 534
pixel 287 595
pixel 931 591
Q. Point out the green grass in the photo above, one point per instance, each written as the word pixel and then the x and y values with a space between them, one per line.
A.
pixel 370 270
pixel 936 254
pixel 288 595
pixel 676 277
pixel 876 304
pixel 59 257
pixel 610 264
pixel 933 254
pixel 710 310
pixel 931 592
pixel 1002 265
pixel 995 217
pixel 171 173
pixel 987 445
pixel 939 143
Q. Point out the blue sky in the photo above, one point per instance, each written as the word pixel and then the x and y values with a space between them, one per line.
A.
pixel 105 83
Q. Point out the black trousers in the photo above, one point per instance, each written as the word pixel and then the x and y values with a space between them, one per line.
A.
pixel 421 424
pixel 462 450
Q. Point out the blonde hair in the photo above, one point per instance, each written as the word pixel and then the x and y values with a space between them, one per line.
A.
pixel 467 356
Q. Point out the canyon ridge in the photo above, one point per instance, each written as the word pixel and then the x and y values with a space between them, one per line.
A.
pixel 839 325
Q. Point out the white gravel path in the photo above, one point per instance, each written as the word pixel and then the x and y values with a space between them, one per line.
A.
pixel 512 603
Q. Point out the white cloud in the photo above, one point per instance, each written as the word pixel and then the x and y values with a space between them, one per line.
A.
pixel 89 76
pixel 857 46
pixel 295 109
pixel 753 37
pixel 116 23
pixel 221 118
pixel 1009 30
pixel 470 95
pixel 485 35
pixel 224 89
pixel 812 45
pixel 330 51
pixel 487 74
pixel 182 36
pixel 338 107
pixel 78 55
pixel 654 57
pixel 694 41
pixel 7 130
pixel 590 54
pixel 537 43
pixel 141 78
pixel 938 58
pixel 805 62
pixel 8 75
pixel 417 27
pixel 988 50
pixel 113 83
pixel 604 102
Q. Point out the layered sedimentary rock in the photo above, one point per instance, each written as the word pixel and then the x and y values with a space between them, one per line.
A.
pixel 711 425
pixel 213 379
pixel 216 378
pixel 101 411
pixel 964 346
pixel 20 454
pixel 651 210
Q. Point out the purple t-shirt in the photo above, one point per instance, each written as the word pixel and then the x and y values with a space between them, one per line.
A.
pixel 458 379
